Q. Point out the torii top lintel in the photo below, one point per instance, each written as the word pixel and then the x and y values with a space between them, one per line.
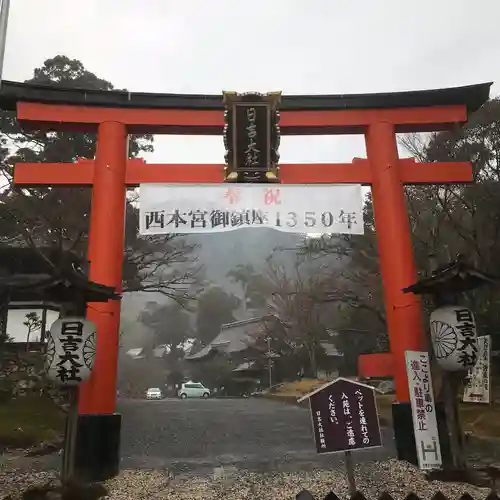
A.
pixel 59 108
pixel 44 107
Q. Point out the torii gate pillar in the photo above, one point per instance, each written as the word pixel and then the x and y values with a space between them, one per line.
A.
pixel 397 267
pixel 98 424
pixel 397 264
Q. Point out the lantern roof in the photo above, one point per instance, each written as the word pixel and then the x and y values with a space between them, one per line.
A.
pixel 454 277
pixel 47 275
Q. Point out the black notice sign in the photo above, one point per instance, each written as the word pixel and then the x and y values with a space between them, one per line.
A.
pixel 344 416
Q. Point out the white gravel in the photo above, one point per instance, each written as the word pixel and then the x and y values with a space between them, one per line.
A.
pixel 14 481
pixel 397 478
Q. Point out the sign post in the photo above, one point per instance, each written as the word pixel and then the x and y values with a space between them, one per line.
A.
pixel 478 385
pixel 423 410
pixel 344 418
pixel 69 358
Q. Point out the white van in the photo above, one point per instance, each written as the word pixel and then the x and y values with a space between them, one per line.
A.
pixel 193 390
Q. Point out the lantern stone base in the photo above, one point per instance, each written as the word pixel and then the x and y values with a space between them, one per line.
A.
pixel 97 450
pixel 405 437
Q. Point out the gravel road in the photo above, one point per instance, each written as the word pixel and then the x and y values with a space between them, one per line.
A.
pixel 232 449
pixel 196 436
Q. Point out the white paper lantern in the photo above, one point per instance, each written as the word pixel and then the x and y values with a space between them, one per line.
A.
pixel 71 348
pixel 454 337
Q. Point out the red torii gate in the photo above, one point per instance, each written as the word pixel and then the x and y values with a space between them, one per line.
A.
pixel 114 115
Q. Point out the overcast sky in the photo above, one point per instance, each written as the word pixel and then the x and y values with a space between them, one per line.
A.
pixel 297 46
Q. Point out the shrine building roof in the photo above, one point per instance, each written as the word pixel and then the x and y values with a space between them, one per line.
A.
pixel 454 277
pixel 47 275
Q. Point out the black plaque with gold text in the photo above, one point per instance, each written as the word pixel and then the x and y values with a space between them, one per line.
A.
pixel 251 137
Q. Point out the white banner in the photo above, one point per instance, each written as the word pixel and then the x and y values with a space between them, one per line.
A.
pixel 194 208
pixel 423 409
pixel 477 389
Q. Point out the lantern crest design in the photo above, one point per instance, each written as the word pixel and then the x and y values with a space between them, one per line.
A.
pixel 454 337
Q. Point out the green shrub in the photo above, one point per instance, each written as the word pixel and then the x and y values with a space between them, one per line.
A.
pixel 28 421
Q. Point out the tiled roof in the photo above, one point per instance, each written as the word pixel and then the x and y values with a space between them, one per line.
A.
pixel 233 337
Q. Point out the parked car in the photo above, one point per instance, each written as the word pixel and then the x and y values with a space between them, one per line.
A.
pixel 154 393
pixel 193 390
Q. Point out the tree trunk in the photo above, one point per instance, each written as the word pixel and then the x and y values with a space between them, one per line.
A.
pixel 312 361
pixel 28 340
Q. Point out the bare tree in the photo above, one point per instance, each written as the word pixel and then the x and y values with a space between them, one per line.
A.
pixel 58 217
pixel 33 323
pixel 296 315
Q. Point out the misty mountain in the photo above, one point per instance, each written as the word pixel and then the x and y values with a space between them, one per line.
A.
pixel 219 253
